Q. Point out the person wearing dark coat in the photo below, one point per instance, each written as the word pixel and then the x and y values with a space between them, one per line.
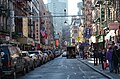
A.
pixel 109 55
pixel 95 54
pixel 115 59
pixel 103 58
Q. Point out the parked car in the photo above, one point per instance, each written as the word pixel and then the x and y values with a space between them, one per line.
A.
pixel 41 56
pixel 12 61
pixel 57 53
pixel 45 57
pixel 36 57
pixel 51 54
pixel 64 54
pixel 29 60
pixel 46 53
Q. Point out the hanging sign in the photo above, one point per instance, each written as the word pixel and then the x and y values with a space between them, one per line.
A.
pixel 87 33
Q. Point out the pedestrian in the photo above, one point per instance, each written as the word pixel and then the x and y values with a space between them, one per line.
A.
pixel 81 50
pixel 115 59
pixel 99 55
pixel 109 58
pixel 118 58
pixel 103 59
pixel 95 54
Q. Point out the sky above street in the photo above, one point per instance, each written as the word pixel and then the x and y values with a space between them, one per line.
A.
pixel 72 6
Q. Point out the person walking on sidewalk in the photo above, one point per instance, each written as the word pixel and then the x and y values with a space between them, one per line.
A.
pixel 99 55
pixel 81 48
pixel 118 58
pixel 109 58
pixel 115 59
pixel 95 53
pixel 103 59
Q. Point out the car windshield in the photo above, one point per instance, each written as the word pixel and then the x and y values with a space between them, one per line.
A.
pixel 24 54
pixel 45 52
pixel 33 52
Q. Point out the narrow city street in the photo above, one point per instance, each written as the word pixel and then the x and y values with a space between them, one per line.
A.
pixel 62 68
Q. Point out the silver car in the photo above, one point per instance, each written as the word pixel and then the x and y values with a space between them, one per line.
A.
pixel 29 61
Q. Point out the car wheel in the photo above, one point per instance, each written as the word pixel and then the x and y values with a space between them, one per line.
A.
pixel 24 71
pixel 13 75
pixel 33 67
pixel 28 69
pixel 35 64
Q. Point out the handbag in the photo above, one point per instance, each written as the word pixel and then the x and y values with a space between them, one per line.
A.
pixel 105 65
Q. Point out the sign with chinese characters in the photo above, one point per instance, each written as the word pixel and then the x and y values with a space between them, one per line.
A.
pixel 37 33
pixel 25 27
pixel 87 33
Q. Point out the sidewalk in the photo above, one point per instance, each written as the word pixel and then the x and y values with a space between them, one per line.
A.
pixel 98 68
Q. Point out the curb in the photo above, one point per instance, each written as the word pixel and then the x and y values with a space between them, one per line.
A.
pixel 95 69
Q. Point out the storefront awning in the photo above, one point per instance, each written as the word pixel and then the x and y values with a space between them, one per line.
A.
pixel 25 40
pixel 114 25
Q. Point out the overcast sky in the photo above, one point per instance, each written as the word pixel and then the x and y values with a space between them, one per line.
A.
pixel 72 6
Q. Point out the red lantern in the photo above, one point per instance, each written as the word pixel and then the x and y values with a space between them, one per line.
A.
pixel 57 42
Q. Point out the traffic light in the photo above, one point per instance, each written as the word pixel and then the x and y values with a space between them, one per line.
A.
pixel 102 14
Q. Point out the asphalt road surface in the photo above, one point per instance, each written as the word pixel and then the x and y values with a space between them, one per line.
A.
pixel 62 68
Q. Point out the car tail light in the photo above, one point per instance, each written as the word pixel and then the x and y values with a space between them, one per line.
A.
pixel 9 63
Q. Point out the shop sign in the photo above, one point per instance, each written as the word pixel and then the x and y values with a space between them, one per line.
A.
pixel 30 41
pixel 56 36
pixel 87 33
pixel 114 25
pixel 100 39
pixel 25 27
pixel 37 34
pixel 25 40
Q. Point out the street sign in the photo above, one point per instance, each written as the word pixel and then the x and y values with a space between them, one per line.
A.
pixel 87 33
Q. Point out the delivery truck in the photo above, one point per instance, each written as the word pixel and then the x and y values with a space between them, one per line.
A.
pixel 71 52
